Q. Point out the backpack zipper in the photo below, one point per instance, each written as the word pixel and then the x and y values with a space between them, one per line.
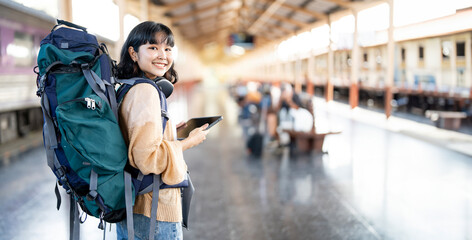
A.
pixel 91 103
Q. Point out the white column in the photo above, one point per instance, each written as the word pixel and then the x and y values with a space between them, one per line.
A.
pixel 298 74
pixel 468 61
pixel 390 63
pixel 311 66
pixel 65 10
pixel 453 66
pixel 144 10
pixel 354 88
pixel 310 73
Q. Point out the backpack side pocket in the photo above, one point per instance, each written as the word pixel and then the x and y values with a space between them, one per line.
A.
pixel 91 136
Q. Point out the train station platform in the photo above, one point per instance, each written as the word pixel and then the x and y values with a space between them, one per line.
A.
pixel 377 179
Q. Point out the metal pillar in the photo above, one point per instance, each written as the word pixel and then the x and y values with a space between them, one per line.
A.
pixel 390 64
pixel 468 63
pixel 298 75
pixel 310 88
pixel 354 89
pixel 329 84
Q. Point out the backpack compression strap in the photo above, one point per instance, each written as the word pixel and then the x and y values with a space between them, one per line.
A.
pixel 101 87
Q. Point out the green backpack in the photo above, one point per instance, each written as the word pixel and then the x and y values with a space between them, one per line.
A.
pixel 84 145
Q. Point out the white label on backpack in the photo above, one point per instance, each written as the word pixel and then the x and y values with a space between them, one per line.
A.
pixel 65 45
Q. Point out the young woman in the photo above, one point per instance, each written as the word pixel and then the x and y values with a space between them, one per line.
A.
pixel 147 52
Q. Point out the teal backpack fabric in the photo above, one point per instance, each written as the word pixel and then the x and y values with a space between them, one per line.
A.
pixel 85 148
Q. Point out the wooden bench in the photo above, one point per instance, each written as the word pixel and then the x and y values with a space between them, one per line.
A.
pixel 308 141
pixel 312 140
pixel 446 119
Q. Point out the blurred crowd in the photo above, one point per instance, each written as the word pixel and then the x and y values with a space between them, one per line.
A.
pixel 268 111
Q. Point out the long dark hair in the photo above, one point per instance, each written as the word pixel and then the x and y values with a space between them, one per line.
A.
pixel 143 33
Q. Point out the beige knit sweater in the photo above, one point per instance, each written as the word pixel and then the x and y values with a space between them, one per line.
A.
pixel 151 151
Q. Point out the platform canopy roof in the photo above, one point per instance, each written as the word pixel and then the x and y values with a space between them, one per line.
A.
pixel 213 21
pixel 206 23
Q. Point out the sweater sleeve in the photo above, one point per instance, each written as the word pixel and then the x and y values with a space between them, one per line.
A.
pixel 149 149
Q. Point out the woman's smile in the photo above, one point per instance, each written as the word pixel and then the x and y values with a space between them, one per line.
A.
pixel 161 65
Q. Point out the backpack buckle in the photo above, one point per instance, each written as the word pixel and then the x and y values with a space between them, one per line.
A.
pixel 92 195
pixel 85 66
pixel 41 86
pixel 101 225
pixel 62 173
pixel 164 114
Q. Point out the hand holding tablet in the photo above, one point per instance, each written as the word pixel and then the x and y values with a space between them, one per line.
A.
pixel 197 122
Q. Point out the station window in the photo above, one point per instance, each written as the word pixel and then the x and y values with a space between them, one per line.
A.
pixel 378 57
pixel 446 48
pixel 21 49
pixel 461 77
pixel 460 49
pixel 421 53
pixel 403 54
pixel 365 59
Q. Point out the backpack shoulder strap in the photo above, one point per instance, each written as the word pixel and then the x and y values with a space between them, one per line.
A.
pixel 125 87
pixel 127 84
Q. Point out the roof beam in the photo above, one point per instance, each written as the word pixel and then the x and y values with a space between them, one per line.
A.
pixel 341 3
pixel 356 5
pixel 280 28
pixel 193 13
pixel 211 31
pixel 288 20
pixel 264 17
pixel 209 17
pixel 318 15
pixel 214 37
pixel 315 14
pixel 218 22
pixel 172 6
pixel 271 34
pixel 268 33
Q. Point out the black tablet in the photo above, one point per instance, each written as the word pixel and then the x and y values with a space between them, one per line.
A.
pixel 196 123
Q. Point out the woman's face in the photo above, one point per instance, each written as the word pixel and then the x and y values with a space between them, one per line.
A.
pixel 153 59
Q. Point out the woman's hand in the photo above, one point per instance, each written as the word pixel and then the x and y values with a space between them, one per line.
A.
pixel 181 126
pixel 195 137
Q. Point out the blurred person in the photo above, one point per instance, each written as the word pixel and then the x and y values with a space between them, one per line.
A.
pixel 147 52
pixel 239 91
pixel 253 94
pixel 249 114
pixel 292 115
pixel 288 100
pixel 272 113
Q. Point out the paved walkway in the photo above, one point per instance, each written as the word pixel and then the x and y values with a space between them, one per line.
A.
pixel 453 140
pixel 379 179
pixel 11 150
